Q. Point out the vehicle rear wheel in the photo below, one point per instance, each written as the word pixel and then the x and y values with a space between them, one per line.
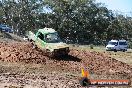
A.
pixel 123 50
pixel 115 50
pixel 34 47
pixel 28 39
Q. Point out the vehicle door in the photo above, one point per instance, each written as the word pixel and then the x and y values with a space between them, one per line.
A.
pixel 117 47
pixel 40 40
pixel 123 45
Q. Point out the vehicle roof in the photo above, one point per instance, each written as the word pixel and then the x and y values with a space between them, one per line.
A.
pixel 118 40
pixel 122 40
pixel 113 40
pixel 46 30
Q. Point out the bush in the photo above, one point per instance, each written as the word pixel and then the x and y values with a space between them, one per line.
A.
pixel 130 45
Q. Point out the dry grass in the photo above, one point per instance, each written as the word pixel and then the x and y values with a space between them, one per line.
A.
pixel 122 56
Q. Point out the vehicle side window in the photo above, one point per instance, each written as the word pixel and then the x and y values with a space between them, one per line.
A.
pixel 122 43
pixel 41 36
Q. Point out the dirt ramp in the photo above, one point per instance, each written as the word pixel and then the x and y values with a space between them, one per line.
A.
pixel 20 51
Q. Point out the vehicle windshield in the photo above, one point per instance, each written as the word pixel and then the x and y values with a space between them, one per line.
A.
pixel 112 43
pixel 52 38
pixel 3 25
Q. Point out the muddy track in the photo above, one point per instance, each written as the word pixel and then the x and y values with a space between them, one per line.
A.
pixel 95 62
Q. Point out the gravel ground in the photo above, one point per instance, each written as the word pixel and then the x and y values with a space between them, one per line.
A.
pixel 59 72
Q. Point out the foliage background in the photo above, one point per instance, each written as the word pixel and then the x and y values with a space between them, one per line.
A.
pixel 77 21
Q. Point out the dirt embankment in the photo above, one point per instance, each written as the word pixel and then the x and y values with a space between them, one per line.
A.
pixel 18 51
pixel 95 62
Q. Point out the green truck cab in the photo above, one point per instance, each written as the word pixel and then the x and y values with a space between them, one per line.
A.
pixel 47 39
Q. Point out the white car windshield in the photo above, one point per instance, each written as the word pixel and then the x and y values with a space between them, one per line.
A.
pixel 3 25
pixel 112 43
pixel 52 38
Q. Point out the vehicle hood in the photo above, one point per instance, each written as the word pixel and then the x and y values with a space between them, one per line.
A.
pixel 110 46
pixel 52 46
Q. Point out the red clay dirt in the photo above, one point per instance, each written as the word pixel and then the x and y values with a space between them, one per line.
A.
pixel 95 62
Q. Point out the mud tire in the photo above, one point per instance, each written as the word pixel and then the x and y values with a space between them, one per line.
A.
pixel 123 50
pixel 115 50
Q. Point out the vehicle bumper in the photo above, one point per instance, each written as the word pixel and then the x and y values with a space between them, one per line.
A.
pixel 110 49
pixel 62 51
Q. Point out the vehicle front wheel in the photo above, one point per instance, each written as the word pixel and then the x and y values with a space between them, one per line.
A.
pixel 123 50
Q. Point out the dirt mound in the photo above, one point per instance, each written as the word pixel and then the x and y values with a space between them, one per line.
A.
pixel 18 51
pixel 95 62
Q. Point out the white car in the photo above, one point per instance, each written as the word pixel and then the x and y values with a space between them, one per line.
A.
pixel 117 45
pixel 25 38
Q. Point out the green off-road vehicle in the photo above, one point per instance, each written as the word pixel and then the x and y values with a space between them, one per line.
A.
pixel 48 40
